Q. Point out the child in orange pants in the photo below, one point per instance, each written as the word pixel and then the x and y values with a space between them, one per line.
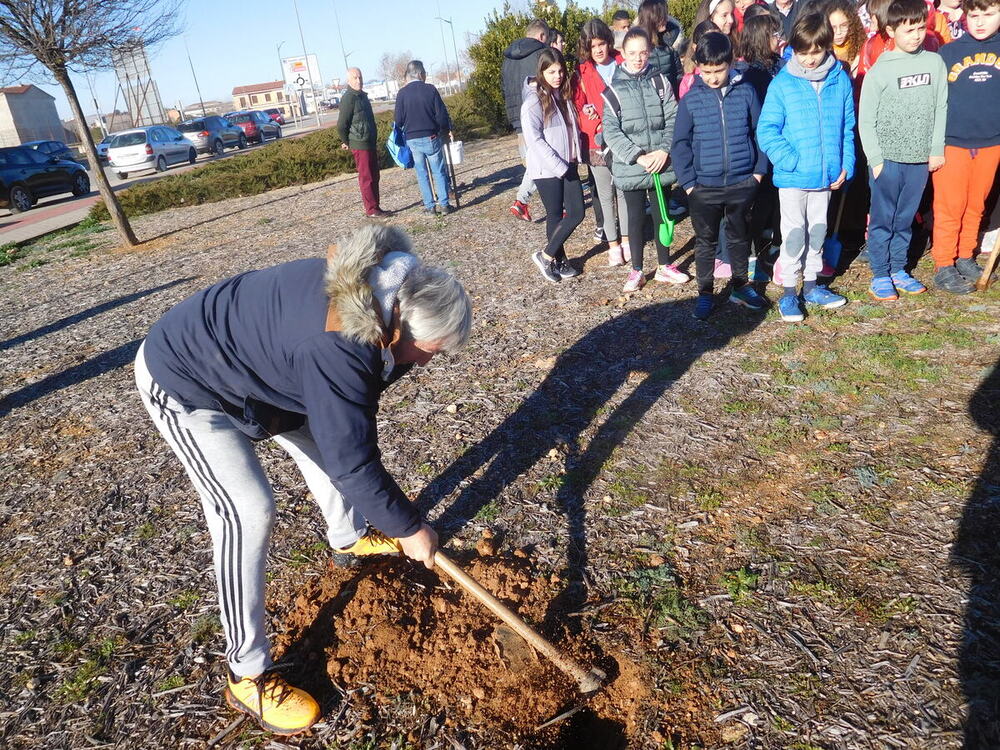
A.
pixel 972 146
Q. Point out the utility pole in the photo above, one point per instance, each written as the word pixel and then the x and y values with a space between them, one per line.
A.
pixel 312 87
pixel 97 107
pixel 193 75
pixel 444 45
pixel 454 46
pixel 340 35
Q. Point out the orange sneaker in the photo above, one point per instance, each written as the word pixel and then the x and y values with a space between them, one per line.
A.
pixel 374 542
pixel 276 705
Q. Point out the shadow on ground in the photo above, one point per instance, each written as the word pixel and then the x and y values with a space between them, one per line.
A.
pixel 651 347
pixel 976 552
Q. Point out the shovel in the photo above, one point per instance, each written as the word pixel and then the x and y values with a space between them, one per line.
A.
pixel 833 246
pixel 588 681
pixel 667 227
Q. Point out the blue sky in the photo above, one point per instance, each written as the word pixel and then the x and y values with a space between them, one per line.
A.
pixel 234 43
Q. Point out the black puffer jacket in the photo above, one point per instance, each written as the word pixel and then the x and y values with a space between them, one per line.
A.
pixel 520 61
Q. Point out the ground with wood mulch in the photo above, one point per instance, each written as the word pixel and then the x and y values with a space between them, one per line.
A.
pixel 769 535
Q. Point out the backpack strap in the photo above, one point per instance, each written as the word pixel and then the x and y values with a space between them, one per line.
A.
pixel 611 98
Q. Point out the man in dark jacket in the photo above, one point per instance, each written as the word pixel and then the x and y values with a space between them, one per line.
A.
pixel 520 61
pixel 359 133
pixel 422 116
pixel 299 353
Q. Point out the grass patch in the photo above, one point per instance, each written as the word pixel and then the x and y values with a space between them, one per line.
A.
pixel 83 680
pixel 489 512
pixel 173 682
pixel 654 595
pixel 186 599
pixel 740 583
pixel 9 252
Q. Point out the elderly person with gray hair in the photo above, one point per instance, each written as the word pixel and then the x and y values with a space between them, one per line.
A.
pixel 299 353
pixel 422 116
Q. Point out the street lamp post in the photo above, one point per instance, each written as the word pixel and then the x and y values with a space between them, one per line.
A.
pixel 454 46
pixel 444 45
pixel 340 36
pixel 305 54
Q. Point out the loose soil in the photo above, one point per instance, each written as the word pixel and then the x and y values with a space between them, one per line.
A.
pixel 770 536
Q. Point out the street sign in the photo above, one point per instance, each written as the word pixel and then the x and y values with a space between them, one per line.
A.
pixel 298 70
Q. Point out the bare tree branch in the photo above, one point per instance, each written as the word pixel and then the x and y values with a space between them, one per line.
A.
pixel 57 37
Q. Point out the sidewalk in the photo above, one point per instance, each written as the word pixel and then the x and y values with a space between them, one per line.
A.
pixel 62 211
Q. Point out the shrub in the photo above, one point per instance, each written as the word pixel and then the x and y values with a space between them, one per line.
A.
pixel 684 11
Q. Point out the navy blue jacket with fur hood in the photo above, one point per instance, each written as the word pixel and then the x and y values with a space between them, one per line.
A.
pixel 714 143
pixel 256 347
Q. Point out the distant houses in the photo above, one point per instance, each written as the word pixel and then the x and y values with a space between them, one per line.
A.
pixel 28 114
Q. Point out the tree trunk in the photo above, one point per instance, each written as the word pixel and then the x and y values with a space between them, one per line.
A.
pixel 118 217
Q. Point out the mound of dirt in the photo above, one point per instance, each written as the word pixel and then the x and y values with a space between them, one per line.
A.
pixel 402 630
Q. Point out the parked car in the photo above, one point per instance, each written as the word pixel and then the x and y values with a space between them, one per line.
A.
pixel 275 114
pixel 102 148
pixel 57 149
pixel 27 175
pixel 151 147
pixel 213 134
pixel 257 126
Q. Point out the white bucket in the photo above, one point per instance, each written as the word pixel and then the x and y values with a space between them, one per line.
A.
pixel 456 152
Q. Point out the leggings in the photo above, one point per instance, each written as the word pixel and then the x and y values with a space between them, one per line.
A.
pixel 636 202
pixel 605 197
pixel 559 195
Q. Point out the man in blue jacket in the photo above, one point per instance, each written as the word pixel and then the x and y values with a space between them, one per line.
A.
pixel 422 117
pixel 299 353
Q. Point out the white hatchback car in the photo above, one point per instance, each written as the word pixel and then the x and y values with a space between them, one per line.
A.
pixel 151 147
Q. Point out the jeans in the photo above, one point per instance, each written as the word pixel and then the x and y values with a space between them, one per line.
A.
pixel 730 207
pixel 896 196
pixel 558 195
pixel 429 148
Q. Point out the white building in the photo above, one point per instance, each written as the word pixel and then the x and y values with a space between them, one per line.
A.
pixel 28 114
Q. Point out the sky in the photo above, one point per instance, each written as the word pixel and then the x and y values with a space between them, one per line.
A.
pixel 235 43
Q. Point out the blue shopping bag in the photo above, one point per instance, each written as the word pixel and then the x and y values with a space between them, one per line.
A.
pixel 398 149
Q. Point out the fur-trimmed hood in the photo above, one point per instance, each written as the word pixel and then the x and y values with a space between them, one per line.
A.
pixel 351 265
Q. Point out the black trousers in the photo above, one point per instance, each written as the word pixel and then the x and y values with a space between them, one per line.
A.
pixel 595 203
pixel 708 207
pixel 558 195
pixel 635 200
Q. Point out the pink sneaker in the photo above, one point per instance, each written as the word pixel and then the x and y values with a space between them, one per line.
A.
pixel 672 274
pixel 615 256
pixel 722 270
pixel 636 281
pixel 626 250
pixel 776 273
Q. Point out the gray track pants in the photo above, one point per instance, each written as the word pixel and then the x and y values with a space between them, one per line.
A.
pixel 606 193
pixel 803 231
pixel 239 507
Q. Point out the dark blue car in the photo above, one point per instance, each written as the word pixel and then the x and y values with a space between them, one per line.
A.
pixel 27 175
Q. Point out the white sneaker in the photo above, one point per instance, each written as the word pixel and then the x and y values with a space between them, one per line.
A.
pixel 615 256
pixel 627 251
pixel 636 280
pixel 671 273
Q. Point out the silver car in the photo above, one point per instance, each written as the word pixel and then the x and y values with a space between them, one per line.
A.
pixel 212 134
pixel 151 147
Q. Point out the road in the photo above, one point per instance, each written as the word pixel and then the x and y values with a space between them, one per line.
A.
pixel 59 211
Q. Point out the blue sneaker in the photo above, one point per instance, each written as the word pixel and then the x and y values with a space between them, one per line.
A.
pixel 823 297
pixel 747 296
pixel 703 307
pixel 883 289
pixel 791 311
pixel 906 283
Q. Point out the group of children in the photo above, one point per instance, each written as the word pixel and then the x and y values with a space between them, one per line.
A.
pixel 766 114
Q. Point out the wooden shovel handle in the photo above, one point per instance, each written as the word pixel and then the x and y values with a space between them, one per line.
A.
pixel 984 281
pixel 588 681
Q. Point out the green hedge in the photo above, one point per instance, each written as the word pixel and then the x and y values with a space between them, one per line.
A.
pixel 297 161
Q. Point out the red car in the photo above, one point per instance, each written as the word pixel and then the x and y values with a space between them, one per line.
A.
pixel 275 114
pixel 257 126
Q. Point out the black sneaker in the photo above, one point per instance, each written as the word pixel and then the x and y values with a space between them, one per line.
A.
pixel 599 234
pixel 445 209
pixel 950 280
pixel 548 267
pixel 969 269
pixel 565 270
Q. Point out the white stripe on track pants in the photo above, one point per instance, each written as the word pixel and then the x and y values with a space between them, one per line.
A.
pixel 239 507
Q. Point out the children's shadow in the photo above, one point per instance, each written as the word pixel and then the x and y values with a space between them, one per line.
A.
pixel 594 395
pixel 977 554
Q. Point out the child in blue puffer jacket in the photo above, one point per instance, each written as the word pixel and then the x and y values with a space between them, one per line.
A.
pixel 806 128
